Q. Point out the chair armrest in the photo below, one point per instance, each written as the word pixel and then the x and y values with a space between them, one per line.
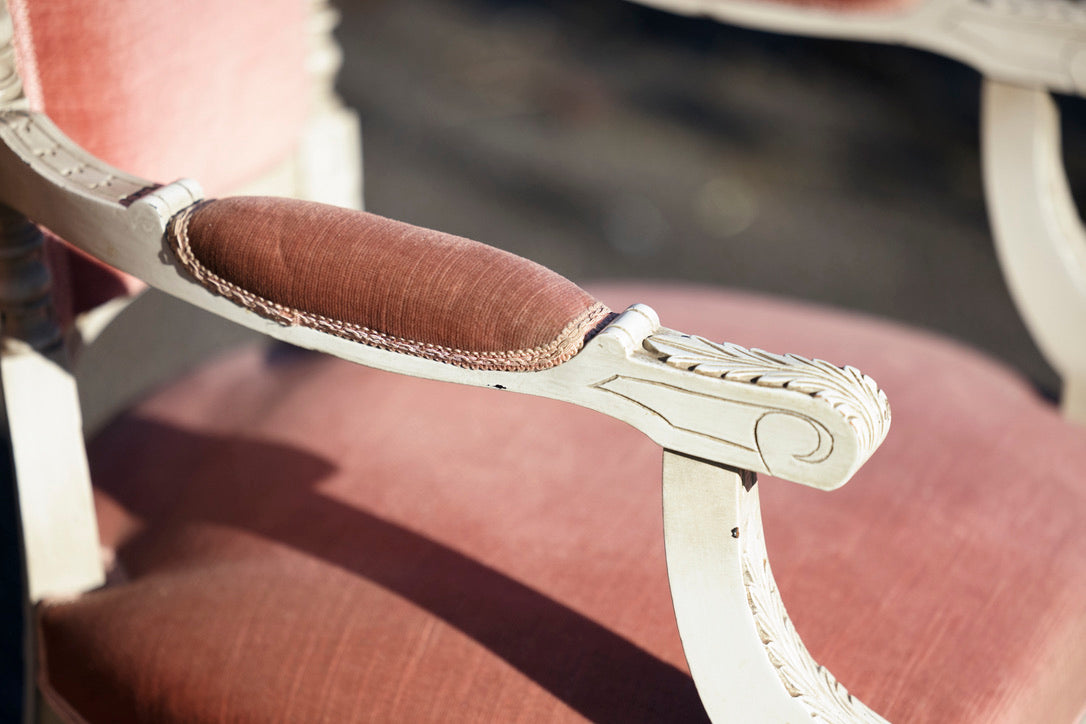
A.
pixel 399 298
pixel 395 297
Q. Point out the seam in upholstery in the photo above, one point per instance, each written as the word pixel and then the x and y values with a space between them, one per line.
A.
pixel 566 344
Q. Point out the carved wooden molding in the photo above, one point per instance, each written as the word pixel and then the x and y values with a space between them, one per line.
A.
pixel 795 418
pixel 745 656
pixel 325 56
pixel 806 680
pixel 847 390
pixel 1009 39
pixel 56 154
pixel 1039 235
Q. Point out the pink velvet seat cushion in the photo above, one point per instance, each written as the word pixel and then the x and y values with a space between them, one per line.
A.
pixel 302 539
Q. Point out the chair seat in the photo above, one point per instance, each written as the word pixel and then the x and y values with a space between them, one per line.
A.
pixel 301 539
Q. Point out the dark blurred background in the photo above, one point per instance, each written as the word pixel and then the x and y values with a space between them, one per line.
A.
pixel 609 140
pixel 606 139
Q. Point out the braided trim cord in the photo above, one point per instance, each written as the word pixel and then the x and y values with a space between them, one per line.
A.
pixel 564 346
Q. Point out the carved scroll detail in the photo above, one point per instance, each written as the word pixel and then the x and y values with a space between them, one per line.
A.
pixel 847 390
pixel 804 679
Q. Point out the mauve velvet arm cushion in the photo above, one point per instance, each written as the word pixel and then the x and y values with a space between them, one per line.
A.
pixel 385 283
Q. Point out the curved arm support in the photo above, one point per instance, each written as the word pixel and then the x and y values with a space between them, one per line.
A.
pixel 40 403
pixel 1039 236
pixel 746 658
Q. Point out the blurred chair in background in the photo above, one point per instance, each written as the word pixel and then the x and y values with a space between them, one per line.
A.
pixel 1025 51
pixel 292 536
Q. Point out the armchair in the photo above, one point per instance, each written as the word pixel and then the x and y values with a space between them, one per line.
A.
pixel 291 536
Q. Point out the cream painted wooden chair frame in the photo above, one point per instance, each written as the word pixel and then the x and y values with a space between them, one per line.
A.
pixel 722 413
pixel 1025 50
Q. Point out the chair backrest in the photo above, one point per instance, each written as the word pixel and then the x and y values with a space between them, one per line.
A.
pixel 215 90
pixel 240 97
pixel 222 92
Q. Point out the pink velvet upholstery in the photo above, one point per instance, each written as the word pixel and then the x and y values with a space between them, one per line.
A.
pixel 143 85
pixel 301 539
pixel 204 89
pixel 385 283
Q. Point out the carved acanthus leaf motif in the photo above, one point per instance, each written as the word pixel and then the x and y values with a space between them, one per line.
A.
pixel 812 684
pixel 854 395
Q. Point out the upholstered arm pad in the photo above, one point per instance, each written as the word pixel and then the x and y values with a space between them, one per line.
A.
pixel 418 302
pixel 385 283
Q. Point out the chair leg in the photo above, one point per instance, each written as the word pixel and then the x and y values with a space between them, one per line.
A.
pixel 745 656
pixel 1039 236
pixel 60 535
pixel 41 407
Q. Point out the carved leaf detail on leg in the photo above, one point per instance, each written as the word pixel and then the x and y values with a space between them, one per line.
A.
pixel 812 684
